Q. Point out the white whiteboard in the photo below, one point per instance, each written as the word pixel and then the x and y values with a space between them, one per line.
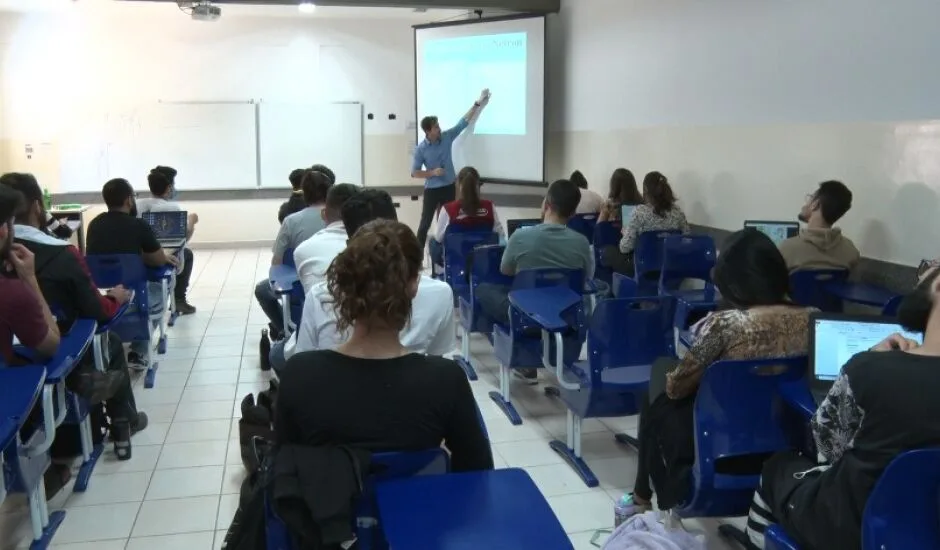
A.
pixel 295 136
pixel 212 145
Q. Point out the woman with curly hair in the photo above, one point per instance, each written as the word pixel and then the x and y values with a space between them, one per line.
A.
pixel 370 392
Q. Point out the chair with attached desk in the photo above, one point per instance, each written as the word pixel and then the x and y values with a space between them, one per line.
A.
pixel 866 295
pixel 902 510
pixel 625 337
pixel 523 343
pixel 811 288
pixel 737 425
pixel 584 224
pixel 688 258
pixel 486 260
pixel 495 509
pixel 459 244
pixel 385 467
pixel 170 229
pixel 287 286
pixel 137 323
pixel 647 262
pixel 605 234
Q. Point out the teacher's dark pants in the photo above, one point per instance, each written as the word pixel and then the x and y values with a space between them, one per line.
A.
pixel 433 199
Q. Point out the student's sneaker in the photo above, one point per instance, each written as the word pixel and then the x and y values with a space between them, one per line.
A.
pixel 184 308
pixel 529 376
pixel 136 361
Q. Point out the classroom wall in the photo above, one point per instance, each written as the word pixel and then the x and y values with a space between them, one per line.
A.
pixel 747 105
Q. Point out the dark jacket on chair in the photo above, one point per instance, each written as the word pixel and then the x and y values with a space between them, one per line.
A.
pixel 315 493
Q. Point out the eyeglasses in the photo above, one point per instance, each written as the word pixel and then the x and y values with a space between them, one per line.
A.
pixel 925 266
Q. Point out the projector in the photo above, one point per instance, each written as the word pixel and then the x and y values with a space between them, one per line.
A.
pixel 205 11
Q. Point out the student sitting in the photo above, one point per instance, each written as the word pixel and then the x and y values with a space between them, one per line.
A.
pixel 469 210
pixel 313 256
pixel 297 228
pixel 659 212
pixel 372 392
pixel 296 201
pixel 882 404
pixel 819 245
pixel 162 183
pixel 65 281
pixel 591 202
pixel 430 329
pixel 623 192
pixel 760 323
pixel 548 244
pixel 120 231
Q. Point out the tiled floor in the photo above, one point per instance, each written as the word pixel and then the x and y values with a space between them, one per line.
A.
pixel 180 489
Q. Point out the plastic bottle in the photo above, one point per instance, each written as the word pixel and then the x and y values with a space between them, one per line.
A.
pixel 46 199
pixel 121 434
pixel 623 509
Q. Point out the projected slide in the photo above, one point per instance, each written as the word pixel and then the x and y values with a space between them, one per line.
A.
pixel 454 70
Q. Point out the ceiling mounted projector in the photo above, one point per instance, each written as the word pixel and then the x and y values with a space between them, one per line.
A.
pixel 201 10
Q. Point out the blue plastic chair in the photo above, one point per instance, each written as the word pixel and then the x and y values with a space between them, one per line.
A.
pixel 169 225
pixel 385 467
pixel 516 347
pixel 137 323
pixel 486 260
pixel 891 308
pixel 808 288
pixel 286 285
pixel 605 234
pixel 735 416
pixel 625 337
pixel 686 257
pixel 584 224
pixel 903 510
pixel 458 245
pixel 648 261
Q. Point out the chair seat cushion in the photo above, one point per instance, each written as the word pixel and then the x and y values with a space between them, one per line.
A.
pixel 626 376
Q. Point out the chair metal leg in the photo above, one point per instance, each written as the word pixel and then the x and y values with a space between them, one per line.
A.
pixel 90 452
pixel 570 451
pixel 463 360
pixel 625 439
pixel 737 535
pixel 503 399
pixel 151 375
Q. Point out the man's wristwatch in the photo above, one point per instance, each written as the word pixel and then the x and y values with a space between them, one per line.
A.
pixel 477 103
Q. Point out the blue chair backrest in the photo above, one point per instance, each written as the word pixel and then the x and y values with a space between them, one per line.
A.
pixel 288 258
pixel 686 257
pixel 607 234
pixel 808 288
pixel 630 331
pixel 457 247
pixel 110 270
pixel 903 510
pixel 486 260
pixel 648 255
pixel 584 224
pixel 891 308
pixel 551 276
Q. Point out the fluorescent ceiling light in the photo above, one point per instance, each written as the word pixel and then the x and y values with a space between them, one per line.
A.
pixel 307 7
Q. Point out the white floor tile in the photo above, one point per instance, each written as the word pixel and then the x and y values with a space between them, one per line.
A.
pixel 208 410
pixel 212 377
pixel 219 351
pixel 173 352
pixel 232 481
pixel 522 454
pixel 117 544
pixel 582 540
pixel 160 394
pixel 615 473
pixel 176 365
pixel 186 482
pixel 219 539
pixel 188 541
pixel 603 445
pixel 90 523
pixel 112 489
pixel 502 432
pixel 191 455
pixel 227 340
pixel 233 455
pixel 143 459
pixel 218 392
pixel 155 434
pixel 156 413
pixel 583 511
pixel 217 363
pixel 227 508
pixel 180 515
pixel 557 479
pixel 557 425
pixel 172 379
pixel 202 430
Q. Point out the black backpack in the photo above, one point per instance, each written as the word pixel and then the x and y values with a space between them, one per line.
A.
pixel 247 530
pixel 257 421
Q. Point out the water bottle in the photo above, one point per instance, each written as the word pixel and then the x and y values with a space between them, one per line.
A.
pixel 46 199
pixel 121 434
pixel 623 509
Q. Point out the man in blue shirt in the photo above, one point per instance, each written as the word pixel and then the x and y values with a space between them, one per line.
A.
pixel 435 155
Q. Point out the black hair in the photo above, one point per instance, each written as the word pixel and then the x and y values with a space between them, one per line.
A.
pixel 325 171
pixel 11 200
pixel 427 123
pixel 365 206
pixel 623 188
pixel 159 180
pixel 116 192
pixel 337 196
pixel 315 186
pixel 296 177
pixel 834 200
pixel 28 187
pixel 658 193
pixel 750 271
pixel 563 197
pixel 578 179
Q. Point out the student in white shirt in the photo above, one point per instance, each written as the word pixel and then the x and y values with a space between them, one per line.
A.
pixel 591 202
pixel 313 256
pixel 162 183
pixel 431 328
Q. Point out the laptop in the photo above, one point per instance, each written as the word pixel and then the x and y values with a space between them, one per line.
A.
pixel 777 231
pixel 835 337
pixel 626 212
pixel 512 225
pixel 169 227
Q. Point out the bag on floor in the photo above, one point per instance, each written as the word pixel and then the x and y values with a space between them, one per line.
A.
pixel 247 530
pixel 257 421
pixel 645 532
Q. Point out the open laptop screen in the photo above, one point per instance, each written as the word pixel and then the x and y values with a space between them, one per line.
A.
pixel 777 231
pixel 626 212
pixel 836 338
pixel 513 225
pixel 167 225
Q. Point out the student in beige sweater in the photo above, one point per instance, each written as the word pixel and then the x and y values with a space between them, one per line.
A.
pixel 819 245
